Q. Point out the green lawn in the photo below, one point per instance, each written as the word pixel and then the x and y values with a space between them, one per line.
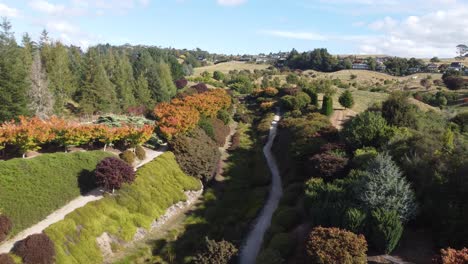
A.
pixel 159 184
pixel 31 189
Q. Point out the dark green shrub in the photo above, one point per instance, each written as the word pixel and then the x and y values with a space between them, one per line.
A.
pixel 112 172
pixel 140 152
pixel 128 156
pixel 269 256
pixel 367 129
pixel 284 243
pixel 6 259
pixel 346 99
pixel 197 154
pixel 333 245
pixel 224 116
pixel 327 105
pixel 363 156
pixel 461 120
pixel 354 220
pixel 5 227
pixel 36 249
pixel 221 252
pixel 207 126
pixel 385 230
pixel 287 217
pixel 398 111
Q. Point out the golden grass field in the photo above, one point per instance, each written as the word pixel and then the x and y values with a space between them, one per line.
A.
pixel 225 67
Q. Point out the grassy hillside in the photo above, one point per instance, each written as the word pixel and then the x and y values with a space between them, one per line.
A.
pixel 159 184
pixel 225 67
pixel 31 189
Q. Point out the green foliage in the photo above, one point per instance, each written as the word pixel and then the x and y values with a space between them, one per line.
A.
pixel 333 245
pixel 222 252
pixel 362 156
pixel 207 126
pixel 286 217
pixel 242 84
pixel 284 243
pixel 292 78
pixel 354 220
pixel 318 59
pixel 197 154
pixel 219 76
pixel 398 111
pixel 49 180
pixel 368 129
pixel 295 102
pixel 158 185
pixel 327 105
pixel 140 152
pixel 313 96
pixel 385 230
pixel 128 156
pixel 269 256
pixel 224 116
pixel 121 120
pixel 346 99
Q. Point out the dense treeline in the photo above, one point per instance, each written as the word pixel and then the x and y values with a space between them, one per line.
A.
pixel 47 77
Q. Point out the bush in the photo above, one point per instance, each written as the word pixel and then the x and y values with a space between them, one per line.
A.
pixel 333 245
pixel 270 91
pixel 327 165
pixel 385 230
pixel 327 105
pixel 384 187
pixel 284 243
pixel 128 156
pixel 235 141
pixel 221 252
pixel 111 173
pixel 197 154
pixel 219 76
pixel 398 111
pixel 354 220
pixel 367 129
pixel 269 256
pixel 140 152
pixel 286 217
pixel 452 256
pixel 221 131
pixel 6 259
pixel 346 99
pixel 295 102
pixel 36 249
pixel 5 227
pixel 200 88
pixel 224 116
pixel 207 126
pixel 181 83
pixel 362 156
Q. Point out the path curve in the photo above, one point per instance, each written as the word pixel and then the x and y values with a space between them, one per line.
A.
pixel 254 240
pixel 78 202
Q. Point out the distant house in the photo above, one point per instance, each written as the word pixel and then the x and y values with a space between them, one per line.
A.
pixel 432 67
pixel 360 66
pixel 456 66
pixel 381 67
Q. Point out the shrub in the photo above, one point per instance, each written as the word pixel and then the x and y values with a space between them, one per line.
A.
pixel 6 259
pixel 327 165
pixel 140 152
pixel 383 186
pixel 452 256
pixel 398 111
pixel 284 243
pixel 327 105
pixel 128 156
pixel 224 116
pixel 221 131
pixel 346 99
pixel 367 129
pixel 333 245
pixel 219 76
pixel 362 156
pixel 286 217
pixel 385 230
pixel 36 249
pixel 270 91
pixel 181 83
pixel 111 173
pixel 269 256
pixel 5 227
pixel 235 141
pixel 207 126
pixel 461 120
pixel 197 154
pixel 221 252
pixel 354 220
pixel 200 88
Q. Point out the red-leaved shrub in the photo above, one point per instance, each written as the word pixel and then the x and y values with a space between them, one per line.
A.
pixel 334 245
pixel 181 83
pixel 327 165
pixel 36 249
pixel 452 256
pixel 221 131
pixel 235 142
pixel 112 172
pixel 5 227
pixel 6 259
pixel 200 87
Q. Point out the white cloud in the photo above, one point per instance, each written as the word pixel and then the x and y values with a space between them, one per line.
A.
pixel 46 7
pixel 7 11
pixel 294 35
pixel 231 2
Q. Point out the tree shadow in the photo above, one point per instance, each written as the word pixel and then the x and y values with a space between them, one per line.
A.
pixel 86 181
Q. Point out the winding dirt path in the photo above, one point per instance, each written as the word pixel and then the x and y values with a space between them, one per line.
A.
pixel 340 116
pixel 60 214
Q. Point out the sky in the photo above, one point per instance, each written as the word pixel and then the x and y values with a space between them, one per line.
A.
pixel 407 28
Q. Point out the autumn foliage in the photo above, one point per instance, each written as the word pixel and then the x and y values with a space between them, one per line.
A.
pixel 37 248
pixel 452 256
pixel 5 227
pixel 182 115
pixel 112 172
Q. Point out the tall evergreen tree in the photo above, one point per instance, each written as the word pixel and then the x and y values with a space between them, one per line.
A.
pixel 98 93
pixel 41 100
pixel 77 68
pixel 167 88
pixel 124 81
pixel 142 93
pixel 13 75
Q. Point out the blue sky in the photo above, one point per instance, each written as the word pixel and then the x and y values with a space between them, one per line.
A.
pixel 395 27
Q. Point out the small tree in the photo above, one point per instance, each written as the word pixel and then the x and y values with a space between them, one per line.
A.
pixel 435 59
pixel 219 76
pixel 5 227
pixel 37 248
pixel 385 230
pixel 112 172
pixel 221 252
pixel 333 245
pixel 346 99
pixel 181 83
pixel 327 105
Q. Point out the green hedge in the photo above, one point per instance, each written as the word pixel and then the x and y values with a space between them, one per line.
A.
pixel 31 189
pixel 159 184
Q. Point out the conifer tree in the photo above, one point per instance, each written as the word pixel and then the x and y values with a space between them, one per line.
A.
pixel 142 93
pixel 166 87
pixel 124 81
pixel 41 100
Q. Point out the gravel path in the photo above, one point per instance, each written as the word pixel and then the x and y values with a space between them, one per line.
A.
pixel 60 214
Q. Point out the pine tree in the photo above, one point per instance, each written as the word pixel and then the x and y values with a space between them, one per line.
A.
pixel 98 94
pixel 346 99
pixel 142 93
pixel 76 67
pixel 41 100
pixel 13 75
pixel 327 105
pixel 167 88
pixel 124 81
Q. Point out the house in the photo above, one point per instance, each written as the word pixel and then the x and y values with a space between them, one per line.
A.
pixel 360 66
pixel 432 67
pixel 456 66
pixel 381 67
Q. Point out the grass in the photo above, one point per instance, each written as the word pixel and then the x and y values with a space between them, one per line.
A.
pixel 159 184
pixel 225 67
pixel 31 189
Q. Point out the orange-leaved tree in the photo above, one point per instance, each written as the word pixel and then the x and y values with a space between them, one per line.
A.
pixel 175 118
